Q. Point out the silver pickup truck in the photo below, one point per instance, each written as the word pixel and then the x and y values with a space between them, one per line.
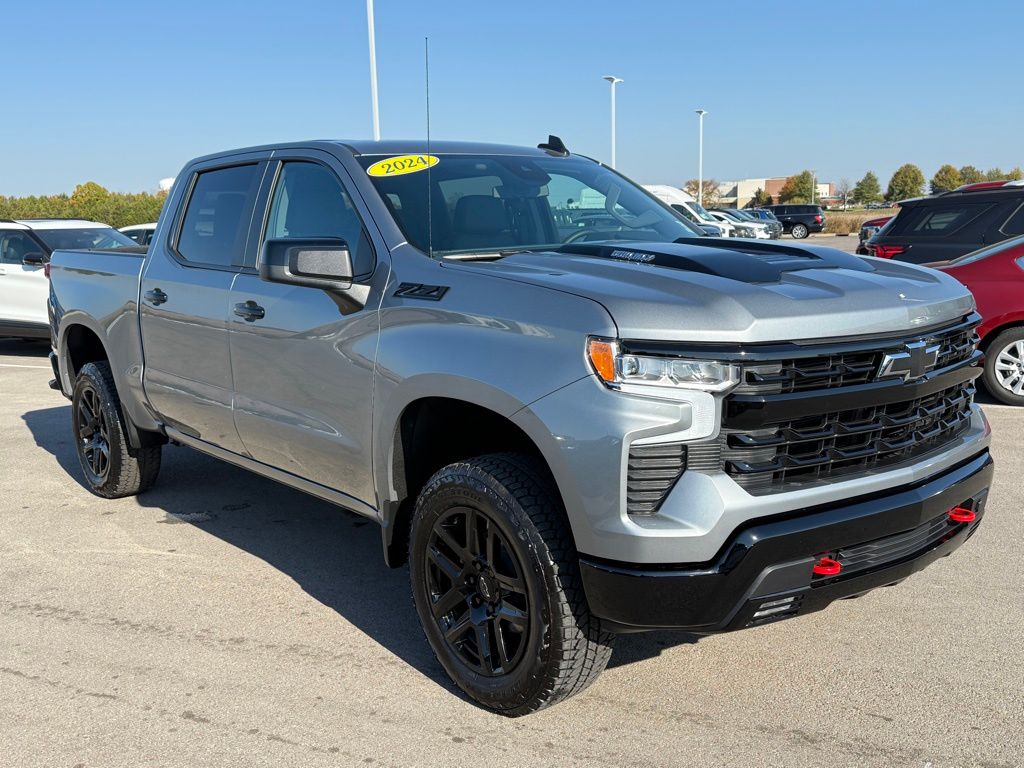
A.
pixel 573 416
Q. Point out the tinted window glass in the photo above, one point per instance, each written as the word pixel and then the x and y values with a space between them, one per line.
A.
pixel 1015 224
pixel 216 220
pixel 89 237
pixel 310 202
pixel 936 220
pixel 138 235
pixel 15 245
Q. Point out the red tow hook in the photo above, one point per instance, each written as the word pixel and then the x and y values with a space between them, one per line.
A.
pixel 962 515
pixel 827 567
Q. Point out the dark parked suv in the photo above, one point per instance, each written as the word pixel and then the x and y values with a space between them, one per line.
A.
pixel 799 220
pixel 951 224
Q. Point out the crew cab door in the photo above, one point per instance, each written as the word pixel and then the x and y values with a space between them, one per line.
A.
pixel 23 287
pixel 303 356
pixel 185 294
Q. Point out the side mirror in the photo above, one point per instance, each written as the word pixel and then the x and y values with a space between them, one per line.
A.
pixel 33 260
pixel 316 262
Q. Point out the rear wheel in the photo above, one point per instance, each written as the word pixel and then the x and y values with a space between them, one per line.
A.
pixel 109 467
pixel 1004 367
pixel 496 583
pixel 799 231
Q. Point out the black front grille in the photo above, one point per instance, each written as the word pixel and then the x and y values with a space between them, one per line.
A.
pixel 824 447
pixel 652 471
pixel 848 367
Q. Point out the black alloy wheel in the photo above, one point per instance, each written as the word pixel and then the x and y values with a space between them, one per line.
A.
pixel 93 433
pixel 111 466
pixel 479 597
pixel 496 584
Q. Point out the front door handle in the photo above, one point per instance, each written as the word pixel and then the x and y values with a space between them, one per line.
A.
pixel 250 311
pixel 155 296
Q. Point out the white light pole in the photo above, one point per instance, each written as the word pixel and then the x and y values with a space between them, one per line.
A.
pixel 700 156
pixel 812 187
pixel 614 81
pixel 373 70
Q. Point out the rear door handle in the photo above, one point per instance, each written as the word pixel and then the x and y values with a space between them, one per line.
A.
pixel 250 311
pixel 155 296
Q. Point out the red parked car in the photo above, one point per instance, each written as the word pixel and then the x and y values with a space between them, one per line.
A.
pixel 995 275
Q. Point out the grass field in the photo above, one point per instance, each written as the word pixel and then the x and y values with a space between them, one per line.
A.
pixel 849 222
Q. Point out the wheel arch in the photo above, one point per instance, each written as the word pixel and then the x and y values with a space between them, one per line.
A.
pixel 81 341
pixel 432 430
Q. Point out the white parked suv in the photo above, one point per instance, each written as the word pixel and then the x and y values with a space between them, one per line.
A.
pixel 684 203
pixel 744 228
pixel 140 233
pixel 25 248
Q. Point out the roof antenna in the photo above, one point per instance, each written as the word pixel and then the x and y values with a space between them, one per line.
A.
pixel 555 146
pixel 430 162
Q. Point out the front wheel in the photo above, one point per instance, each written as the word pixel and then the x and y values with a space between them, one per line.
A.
pixel 799 231
pixel 496 583
pixel 110 468
pixel 1004 367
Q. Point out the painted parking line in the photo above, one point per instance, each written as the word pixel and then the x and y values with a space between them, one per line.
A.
pixel 14 365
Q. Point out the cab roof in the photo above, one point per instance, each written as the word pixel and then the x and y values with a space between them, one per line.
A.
pixel 368 147
pixel 53 224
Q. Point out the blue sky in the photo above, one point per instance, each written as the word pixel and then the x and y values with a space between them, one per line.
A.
pixel 123 93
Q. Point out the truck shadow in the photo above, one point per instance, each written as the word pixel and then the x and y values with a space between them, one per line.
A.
pixel 25 347
pixel 333 555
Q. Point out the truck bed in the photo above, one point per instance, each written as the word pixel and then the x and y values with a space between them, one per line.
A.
pixel 100 290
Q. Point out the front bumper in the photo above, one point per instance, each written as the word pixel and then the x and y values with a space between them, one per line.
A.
pixel 770 561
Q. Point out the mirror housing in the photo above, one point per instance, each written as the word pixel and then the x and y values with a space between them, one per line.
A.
pixel 34 259
pixel 323 262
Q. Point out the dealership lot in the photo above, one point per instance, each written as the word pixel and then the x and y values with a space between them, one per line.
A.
pixel 223 619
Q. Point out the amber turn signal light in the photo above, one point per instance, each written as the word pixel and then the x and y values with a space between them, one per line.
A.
pixel 602 357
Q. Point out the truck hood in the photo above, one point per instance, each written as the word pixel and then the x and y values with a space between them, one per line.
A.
pixel 723 291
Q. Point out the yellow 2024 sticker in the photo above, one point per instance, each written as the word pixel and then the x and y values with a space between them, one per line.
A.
pixel 402 164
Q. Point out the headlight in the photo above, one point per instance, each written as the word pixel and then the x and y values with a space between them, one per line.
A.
pixel 642 374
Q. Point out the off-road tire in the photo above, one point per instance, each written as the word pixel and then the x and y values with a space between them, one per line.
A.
pixel 122 474
pixel 565 647
pixel 1004 342
pixel 799 231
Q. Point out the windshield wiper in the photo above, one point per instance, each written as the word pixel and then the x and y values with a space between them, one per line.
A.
pixel 498 253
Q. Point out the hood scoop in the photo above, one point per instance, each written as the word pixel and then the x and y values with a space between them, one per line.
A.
pixel 749 262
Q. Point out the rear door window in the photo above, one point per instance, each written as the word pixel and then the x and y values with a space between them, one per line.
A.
pixel 1015 224
pixel 216 221
pixel 940 220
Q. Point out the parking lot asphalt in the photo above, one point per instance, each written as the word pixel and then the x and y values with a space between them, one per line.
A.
pixel 224 620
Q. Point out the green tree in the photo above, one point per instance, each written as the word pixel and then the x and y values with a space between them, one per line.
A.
pixel 1015 174
pixel 89 201
pixel 867 190
pixel 945 179
pixel 908 181
pixel 798 189
pixel 971 175
pixel 995 174
pixel 760 199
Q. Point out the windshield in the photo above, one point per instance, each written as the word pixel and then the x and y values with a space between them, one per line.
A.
pixel 703 213
pixel 743 215
pixel 496 203
pixel 92 237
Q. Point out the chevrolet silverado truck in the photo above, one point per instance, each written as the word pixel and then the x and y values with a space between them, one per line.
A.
pixel 572 421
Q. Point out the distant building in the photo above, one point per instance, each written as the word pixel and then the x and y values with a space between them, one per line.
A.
pixel 737 194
